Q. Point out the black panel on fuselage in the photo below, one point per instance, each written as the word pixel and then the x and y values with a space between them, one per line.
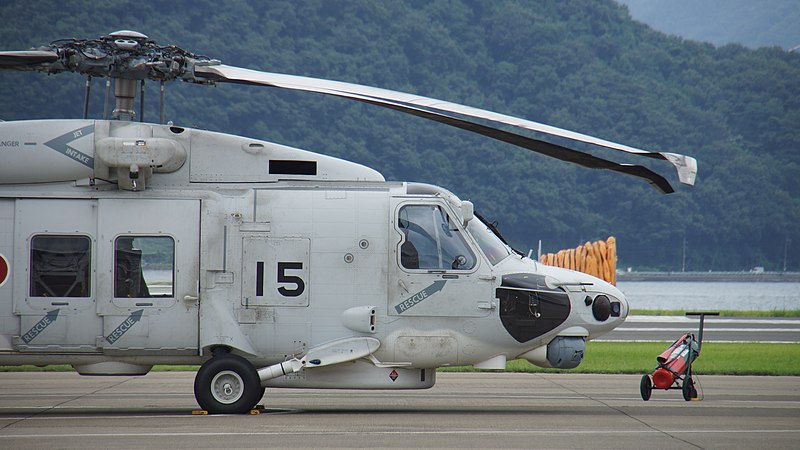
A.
pixel 528 308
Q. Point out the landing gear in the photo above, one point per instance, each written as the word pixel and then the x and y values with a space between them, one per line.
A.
pixel 227 384
pixel 646 387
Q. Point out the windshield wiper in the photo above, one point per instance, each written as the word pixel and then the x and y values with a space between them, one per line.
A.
pixel 492 226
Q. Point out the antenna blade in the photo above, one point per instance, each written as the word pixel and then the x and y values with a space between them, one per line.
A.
pixel 686 166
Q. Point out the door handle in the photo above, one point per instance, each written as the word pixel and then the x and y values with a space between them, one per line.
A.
pixel 487 305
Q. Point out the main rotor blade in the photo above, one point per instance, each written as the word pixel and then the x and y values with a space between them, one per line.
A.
pixel 546 148
pixel 23 60
pixel 417 105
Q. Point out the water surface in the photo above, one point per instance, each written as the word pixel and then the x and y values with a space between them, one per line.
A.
pixel 701 295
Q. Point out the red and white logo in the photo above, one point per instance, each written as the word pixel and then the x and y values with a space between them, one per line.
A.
pixel 5 270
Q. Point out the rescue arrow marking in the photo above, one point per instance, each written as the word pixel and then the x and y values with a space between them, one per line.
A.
pixel 410 302
pixel 124 326
pixel 61 145
pixel 40 326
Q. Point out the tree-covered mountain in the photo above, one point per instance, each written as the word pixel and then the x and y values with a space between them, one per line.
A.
pixel 583 65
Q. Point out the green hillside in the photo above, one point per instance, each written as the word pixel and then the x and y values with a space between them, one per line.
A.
pixel 581 65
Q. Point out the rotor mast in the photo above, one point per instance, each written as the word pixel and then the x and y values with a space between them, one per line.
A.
pixel 125 87
pixel 124 98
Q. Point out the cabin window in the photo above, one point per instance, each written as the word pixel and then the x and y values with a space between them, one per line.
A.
pixel 432 241
pixel 144 266
pixel 60 266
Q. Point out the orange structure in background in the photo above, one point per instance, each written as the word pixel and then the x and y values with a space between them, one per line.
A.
pixel 597 258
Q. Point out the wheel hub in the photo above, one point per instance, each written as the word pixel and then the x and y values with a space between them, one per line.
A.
pixel 227 387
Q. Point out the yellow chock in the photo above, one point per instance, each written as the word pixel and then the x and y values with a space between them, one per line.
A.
pixel 203 412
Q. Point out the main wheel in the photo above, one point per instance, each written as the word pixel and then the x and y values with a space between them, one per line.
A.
pixel 646 387
pixel 689 391
pixel 227 384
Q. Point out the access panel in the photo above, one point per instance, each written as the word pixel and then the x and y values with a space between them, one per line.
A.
pixel 275 271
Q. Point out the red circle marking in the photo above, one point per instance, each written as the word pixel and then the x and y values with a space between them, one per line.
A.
pixel 4 269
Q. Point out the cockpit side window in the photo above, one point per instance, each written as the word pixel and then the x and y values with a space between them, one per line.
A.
pixel 432 240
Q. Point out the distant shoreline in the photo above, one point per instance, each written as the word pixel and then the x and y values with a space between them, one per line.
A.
pixel 771 277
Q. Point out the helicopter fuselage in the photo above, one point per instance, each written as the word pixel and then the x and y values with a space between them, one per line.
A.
pixel 130 244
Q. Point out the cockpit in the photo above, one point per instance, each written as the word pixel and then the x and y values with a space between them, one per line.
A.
pixel 444 237
pixel 433 241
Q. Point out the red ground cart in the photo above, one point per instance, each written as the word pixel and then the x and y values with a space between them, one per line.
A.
pixel 674 369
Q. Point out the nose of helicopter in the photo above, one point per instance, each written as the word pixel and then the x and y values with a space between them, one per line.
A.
pixel 598 304
pixel 616 303
pixel 544 299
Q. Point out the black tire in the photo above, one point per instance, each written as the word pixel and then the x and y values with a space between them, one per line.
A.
pixel 227 384
pixel 689 392
pixel 646 387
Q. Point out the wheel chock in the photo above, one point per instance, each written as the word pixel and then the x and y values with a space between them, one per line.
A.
pixel 203 412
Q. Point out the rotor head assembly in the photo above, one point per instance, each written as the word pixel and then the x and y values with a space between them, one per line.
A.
pixel 123 54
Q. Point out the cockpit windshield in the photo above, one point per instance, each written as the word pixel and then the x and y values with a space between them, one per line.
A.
pixel 490 244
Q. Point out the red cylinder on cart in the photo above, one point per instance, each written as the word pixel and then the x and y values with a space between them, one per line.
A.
pixel 665 355
pixel 673 361
pixel 662 378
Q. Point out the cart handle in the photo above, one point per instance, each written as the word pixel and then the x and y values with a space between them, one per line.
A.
pixel 702 315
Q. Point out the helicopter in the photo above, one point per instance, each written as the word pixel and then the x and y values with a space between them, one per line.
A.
pixel 128 244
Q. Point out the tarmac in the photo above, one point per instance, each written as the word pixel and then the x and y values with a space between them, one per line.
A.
pixel 463 410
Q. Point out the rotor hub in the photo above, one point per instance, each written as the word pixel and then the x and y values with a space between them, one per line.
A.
pixel 122 54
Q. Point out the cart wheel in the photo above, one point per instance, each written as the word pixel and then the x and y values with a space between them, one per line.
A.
pixel 689 392
pixel 646 387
